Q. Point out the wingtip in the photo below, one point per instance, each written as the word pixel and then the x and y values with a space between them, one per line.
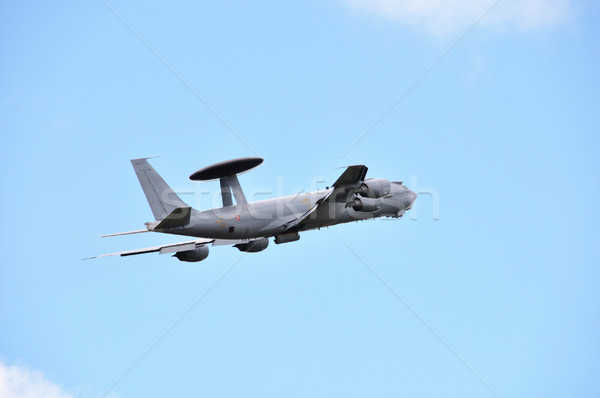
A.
pixel 149 157
pixel 350 165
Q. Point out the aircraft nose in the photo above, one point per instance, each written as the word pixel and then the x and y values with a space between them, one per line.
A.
pixel 411 197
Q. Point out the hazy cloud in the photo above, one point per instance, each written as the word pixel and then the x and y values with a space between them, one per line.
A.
pixel 20 382
pixel 440 17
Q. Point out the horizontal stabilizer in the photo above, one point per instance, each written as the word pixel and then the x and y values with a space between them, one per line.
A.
pixel 177 218
pixel 139 231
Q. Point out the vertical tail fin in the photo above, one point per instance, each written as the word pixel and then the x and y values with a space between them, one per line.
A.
pixel 160 196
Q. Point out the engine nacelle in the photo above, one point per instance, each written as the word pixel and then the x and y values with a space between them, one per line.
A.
pixel 192 256
pixel 285 238
pixel 374 188
pixel 253 246
pixel 365 204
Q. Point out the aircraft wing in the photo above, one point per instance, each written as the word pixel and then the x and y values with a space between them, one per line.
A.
pixel 164 249
pixel 354 175
pixel 343 188
pixel 176 247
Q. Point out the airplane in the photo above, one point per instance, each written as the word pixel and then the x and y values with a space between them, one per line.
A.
pixel 249 225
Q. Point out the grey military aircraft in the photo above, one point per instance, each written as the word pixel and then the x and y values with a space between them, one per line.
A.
pixel 248 225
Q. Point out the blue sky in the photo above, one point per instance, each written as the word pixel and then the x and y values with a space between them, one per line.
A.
pixel 497 295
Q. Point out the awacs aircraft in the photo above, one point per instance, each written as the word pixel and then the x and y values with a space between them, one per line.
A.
pixel 248 225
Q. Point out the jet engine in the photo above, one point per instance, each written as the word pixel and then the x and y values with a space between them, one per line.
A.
pixel 253 246
pixel 374 188
pixel 365 204
pixel 286 238
pixel 191 256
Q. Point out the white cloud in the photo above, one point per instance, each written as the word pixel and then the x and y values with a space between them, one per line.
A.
pixel 441 17
pixel 20 382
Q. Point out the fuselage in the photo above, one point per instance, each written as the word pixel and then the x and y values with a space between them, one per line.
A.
pixel 271 217
pixel 248 225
